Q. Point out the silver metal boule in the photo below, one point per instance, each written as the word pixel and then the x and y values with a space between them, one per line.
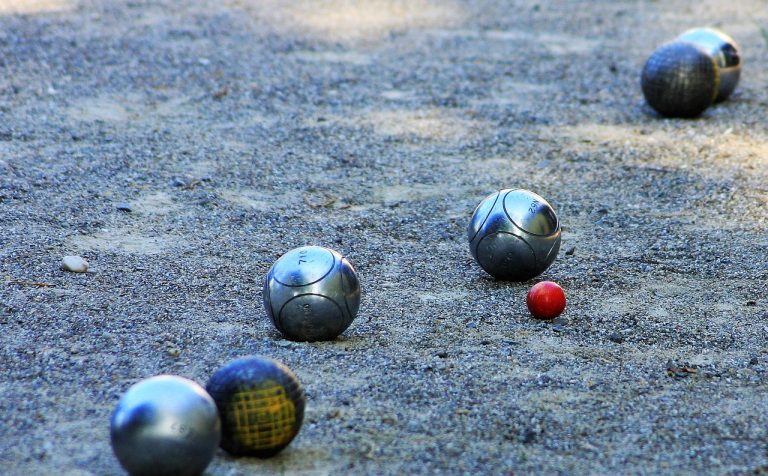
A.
pixel 311 293
pixel 724 51
pixel 165 425
pixel 514 234
pixel 680 79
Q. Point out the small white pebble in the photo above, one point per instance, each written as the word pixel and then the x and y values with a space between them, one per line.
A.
pixel 76 264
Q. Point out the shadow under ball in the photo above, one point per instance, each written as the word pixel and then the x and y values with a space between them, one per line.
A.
pixel 680 80
pixel 724 51
pixel 514 234
pixel 165 425
pixel 261 404
pixel 311 294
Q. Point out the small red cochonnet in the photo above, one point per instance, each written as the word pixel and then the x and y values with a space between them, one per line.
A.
pixel 546 300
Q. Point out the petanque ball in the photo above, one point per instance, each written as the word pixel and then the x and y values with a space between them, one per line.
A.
pixel 514 234
pixel 261 404
pixel 680 79
pixel 165 425
pixel 311 294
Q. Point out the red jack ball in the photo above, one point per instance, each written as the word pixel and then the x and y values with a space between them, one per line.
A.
pixel 546 300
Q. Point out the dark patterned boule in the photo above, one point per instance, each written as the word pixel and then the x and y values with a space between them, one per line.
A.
pixel 680 80
pixel 261 405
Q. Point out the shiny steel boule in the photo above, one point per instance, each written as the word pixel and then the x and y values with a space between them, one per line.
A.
pixel 311 293
pixel 514 234
pixel 724 51
pixel 261 404
pixel 680 79
pixel 165 425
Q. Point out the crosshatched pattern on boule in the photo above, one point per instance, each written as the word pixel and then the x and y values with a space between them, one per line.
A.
pixel 261 403
pixel 263 416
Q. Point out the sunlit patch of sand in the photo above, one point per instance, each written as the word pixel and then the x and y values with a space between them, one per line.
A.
pixel 126 240
pixel 727 155
pixel 398 95
pixel 130 107
pixel 261 201
pixel 512 164
pixel 393 194
pixel 554 43
pixel 351 20
pixel 101 109
pixel 27 7
pixel 400 194
pixel 349 57
pixel 725 148
pixel 431 124
pixel 518 93
pixel 159 203
pixel 590 135
pixel 751 150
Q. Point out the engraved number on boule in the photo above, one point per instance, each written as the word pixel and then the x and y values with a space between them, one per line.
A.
pixel 534 206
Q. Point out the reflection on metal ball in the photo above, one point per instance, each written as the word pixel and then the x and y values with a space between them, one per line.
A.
pixel 724 51
pixel 311 293
pixel 680 79
pixel 514 234
pixel 261 403
pixel 165 425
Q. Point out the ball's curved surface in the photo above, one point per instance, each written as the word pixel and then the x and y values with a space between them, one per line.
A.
pixel 680 80
pixel 725 52
pixel 514 234
pixel 311 293
pixel 261 404
pixel 165 425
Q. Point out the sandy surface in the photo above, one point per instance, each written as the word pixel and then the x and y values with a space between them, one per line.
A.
pixel 236 130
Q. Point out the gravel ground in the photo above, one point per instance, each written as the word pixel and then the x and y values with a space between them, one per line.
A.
pixel 181 147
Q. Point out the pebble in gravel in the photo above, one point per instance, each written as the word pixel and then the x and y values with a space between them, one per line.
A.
pixel 616 337
pixel 75 264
